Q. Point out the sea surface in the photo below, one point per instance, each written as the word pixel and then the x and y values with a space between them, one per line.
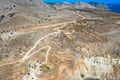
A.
pixel 114 8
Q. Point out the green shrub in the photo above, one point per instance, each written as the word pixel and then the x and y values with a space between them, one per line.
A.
pixel 82 75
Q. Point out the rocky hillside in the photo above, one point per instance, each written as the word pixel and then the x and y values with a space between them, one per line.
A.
pixel 58 42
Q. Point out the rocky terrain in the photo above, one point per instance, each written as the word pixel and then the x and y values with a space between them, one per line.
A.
pixel 58 42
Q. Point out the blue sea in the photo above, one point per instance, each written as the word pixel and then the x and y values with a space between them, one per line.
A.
pixel 113 7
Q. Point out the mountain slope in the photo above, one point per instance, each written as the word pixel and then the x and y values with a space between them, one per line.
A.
pixel 46 42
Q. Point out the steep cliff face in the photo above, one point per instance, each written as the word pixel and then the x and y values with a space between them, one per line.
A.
pixel 40 42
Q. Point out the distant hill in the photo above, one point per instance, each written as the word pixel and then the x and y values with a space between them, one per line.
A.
pixel 99 5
